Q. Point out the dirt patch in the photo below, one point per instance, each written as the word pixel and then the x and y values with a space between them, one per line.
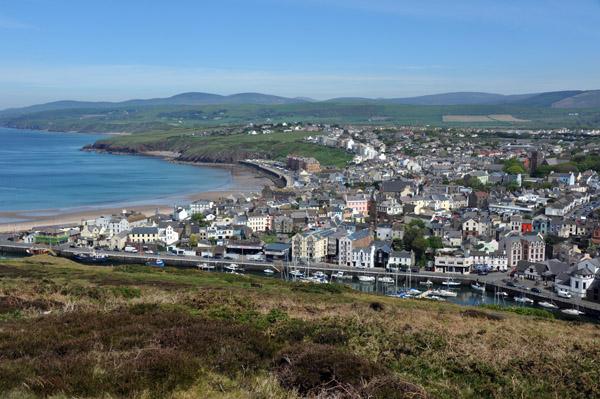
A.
pixel 9 304
pixel 507 118
pixel 167 285
pixel 326 371
pixel 11 271
pixel 466 118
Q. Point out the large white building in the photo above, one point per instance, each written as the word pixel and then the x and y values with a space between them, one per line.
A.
pixel 530 247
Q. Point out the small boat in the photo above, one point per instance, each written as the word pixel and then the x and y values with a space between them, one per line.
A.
pixel 386 280
pixel 413 291
pixel 38 251
pixel 314 280
pixel 366 279
pixel 269 271
pixel 341 275
pixel 478 287
pixel 156 262
pixel 451 283
pixel 428 282
pixel 233 268
pixel 572 312
pixel 400 294
pixel 547 305
pixel 91 257
pixel 523 299
pixel 444 293
pixel 502 293
pixel 205 266
pixel 297 273
pixel 319 274
pixel 434 297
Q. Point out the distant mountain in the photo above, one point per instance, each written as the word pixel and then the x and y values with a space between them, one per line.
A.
pixel 587 99
pixel 192 98
pixel 557 99
pixel 459 98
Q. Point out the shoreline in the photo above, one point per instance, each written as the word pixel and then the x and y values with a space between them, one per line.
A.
pixel 243 180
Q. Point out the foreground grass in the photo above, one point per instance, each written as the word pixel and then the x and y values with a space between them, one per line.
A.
pixel 75 331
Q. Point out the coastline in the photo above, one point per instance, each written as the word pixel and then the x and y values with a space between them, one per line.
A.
pixel 244 180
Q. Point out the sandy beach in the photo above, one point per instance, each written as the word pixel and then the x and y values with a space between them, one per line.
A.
pixel 244 180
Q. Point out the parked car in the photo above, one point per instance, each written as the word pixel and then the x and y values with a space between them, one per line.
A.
pixel 510 284
pixel 536 290
pixel 524 287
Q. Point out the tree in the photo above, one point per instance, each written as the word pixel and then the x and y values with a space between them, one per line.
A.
pixel 527 184
pixel 474 183
pixel 198 217
pixel 417 223
pixel 434 242
pixel 193 242
pixel 515 170
pixel 527 216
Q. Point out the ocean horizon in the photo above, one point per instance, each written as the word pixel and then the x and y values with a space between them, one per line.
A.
pixel 46 171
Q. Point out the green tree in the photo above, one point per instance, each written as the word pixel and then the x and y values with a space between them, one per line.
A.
pixel 199 218
pixel 434 242
pixel 193 242
pixel 417 223
pixel 515 170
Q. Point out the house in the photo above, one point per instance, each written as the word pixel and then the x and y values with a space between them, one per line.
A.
pixel 523 246
pixel 402 259
pixel 361 238
pixel 143 235
pixel 311 245
pixel 451 261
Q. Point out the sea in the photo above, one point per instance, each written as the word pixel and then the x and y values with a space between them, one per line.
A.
pixel 47 171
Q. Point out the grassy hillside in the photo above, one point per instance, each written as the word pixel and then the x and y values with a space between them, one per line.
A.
pixel 226 148
pixel 134 119
pixel 75 331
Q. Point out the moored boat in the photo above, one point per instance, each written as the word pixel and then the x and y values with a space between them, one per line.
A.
pixel 428 282
pixel 523 299
pixel 296 273
pixel 478 287
pixel 340 275
pixel 386 280
pixel 444 293
pixel 269 271
pixel 572 312
pixel 156 262
pixel 547 305
pixel 233 268
pixel 91 257
pixel 205 266
pixel 366 279
pixel 451 283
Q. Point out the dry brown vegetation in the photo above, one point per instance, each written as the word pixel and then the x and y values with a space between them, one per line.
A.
pixel 68 330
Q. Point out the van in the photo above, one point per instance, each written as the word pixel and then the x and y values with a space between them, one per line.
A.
pixel 132 250
pixel 564 294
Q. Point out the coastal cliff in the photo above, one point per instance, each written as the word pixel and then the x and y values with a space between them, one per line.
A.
pixel 222 148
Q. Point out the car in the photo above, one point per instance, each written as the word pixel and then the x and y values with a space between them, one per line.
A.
pixel 482 273
pixel 510 284
pixel 524 287
pixel 217 256
pixel 270 260
pixel 149 252
pixel 536 290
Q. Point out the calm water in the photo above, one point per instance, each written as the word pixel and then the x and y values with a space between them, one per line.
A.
pixel 40 170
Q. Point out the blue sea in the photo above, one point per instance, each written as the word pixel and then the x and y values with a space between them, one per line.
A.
pixel 46 171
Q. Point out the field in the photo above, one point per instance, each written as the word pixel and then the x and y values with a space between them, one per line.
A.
pixel 227 148
pixel 68 330
pixel 168 117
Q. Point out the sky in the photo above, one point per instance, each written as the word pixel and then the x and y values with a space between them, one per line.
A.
pixel 118 50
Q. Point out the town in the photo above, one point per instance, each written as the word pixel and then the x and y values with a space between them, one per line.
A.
pixel 443 201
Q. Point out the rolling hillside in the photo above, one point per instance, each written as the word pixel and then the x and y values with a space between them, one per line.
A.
pixel 136 119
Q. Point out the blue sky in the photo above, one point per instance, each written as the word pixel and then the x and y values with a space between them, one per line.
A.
pixel 117 50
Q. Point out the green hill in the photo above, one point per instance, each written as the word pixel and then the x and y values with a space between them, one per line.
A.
pixel 68 330
pixel 133 119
